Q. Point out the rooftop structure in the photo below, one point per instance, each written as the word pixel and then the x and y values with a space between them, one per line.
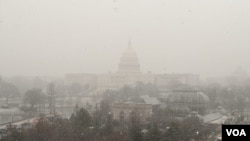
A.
pixel 188 100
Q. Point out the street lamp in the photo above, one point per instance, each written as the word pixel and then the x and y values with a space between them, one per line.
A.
pixel 197 133
pixel 168 131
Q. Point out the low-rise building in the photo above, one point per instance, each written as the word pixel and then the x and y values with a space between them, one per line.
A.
pixel 125 111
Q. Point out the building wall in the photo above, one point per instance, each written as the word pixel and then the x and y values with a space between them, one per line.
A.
pixel 118 80
pixel 169 80
pixel 129 73
pixel 82 78
pixel 141 110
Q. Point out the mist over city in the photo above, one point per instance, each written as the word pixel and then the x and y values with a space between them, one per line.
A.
pixel 123 70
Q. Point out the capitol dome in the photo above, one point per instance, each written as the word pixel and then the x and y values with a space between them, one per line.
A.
pixel 129 62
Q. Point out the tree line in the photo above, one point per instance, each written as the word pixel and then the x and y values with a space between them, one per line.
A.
pixel 85 127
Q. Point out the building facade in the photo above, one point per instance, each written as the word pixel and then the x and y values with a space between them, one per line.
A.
pixel 184 101
pixel 128 74
pixel 124 112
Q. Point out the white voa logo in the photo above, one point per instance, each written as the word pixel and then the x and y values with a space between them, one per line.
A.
pixel 236 132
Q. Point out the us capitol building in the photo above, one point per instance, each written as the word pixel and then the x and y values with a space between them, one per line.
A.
pixel 128 74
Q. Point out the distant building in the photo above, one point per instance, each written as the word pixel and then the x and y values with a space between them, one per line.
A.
pixel 128 74
pixel 184 101
pixel 215 118
pixel 239 77
pixel 155 102
pixel 125 111
pixel 172 81
pixel 82 78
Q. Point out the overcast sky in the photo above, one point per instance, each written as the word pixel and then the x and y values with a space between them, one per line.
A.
pixel 54 37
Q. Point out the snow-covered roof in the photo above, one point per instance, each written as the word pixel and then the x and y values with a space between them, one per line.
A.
pixel 151 100
pixel 214 118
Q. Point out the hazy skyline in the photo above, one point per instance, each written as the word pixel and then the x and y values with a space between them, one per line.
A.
pixel 55 37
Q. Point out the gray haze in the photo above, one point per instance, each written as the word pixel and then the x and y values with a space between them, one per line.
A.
pixel 54 37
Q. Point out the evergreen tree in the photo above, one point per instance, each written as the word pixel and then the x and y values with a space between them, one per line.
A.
pixel 81 119
pixel 135 128
pixel 153 133
pixel 173 133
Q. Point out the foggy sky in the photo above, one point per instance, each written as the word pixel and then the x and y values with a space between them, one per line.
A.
pixel 54 37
